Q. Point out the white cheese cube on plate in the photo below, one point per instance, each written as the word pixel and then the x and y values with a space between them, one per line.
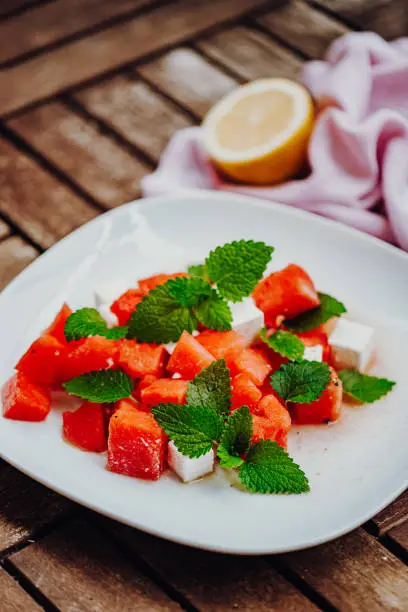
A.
pixel 313 353
pixel 189 469
pixel 352 344
pixel 247 319
pixel 105 312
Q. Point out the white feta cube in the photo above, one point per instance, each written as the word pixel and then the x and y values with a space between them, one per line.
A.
pixel 105 312
pixel 247 319
pixel 189 469
pixel 352 344
pixel 313 353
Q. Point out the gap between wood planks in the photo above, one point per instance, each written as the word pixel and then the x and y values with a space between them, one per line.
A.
pixel 88 31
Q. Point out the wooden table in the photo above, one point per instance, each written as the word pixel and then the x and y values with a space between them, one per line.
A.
pixel 90 92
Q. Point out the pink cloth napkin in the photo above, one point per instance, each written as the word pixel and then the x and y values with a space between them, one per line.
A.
pixel 358 152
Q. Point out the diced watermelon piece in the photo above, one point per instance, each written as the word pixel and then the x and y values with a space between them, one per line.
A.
pixel 263 429
pixel 85 427
pixel 314 338
pixel 288 292
pixel 189 357
pixel 245 393
pixel 222 345
pixel 147 284
pixel 165 390
pixel 146 382
pixel 278 416
pixel 139 360
pixel 88 355
pixel 251 362
pixel 41 362
pixel 136 443
pixel 56 328
pixel 126 304
pixel 274 359
pixel 24 400
pixel 325 409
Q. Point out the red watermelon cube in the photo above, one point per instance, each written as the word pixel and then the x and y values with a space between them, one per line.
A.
pixel 85 427
pixel 24 400
pixel 189 357
pixel 136 443
pixel 164 391
pixel 325 409
pixel 245 393
pixel 88 355
pixel 42 361
pixel 126 304
pixel 57 327
pixel 139 360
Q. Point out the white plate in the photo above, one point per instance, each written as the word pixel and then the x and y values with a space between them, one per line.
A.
pixel 355 467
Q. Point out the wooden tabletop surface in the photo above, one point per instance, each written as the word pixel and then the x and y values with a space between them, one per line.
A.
pixel 90 92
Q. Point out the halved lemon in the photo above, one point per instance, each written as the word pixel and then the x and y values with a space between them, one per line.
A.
pixel 259 132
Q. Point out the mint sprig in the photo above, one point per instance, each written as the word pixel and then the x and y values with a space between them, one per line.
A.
pixel 237 266
pixel 160 317
pixel 214 312
pixel 301 382
pixel 193 429
pixel 364 388
pixel 269 469
pixel 329 307
pixel 199 271
pixel 83 323
pixel 285 343
pixel 211 388
pixel 102 386
pixel 87 322
pixel 181 303
pixel 236 438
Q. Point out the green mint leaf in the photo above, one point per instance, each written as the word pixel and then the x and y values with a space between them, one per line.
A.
pixel 301 382
pixel 211 388
pixel 329 307
pixel 193 429
pixel 236 438
pixel 116 333
pixel 188 292
pixel 103 386
pixel 237 266
pixel 283 342
pixel 269 469
pixel 83 323
pixel 227 461
pixel 198 271
pixel 365 388
pixel 214 313
pixel 159 317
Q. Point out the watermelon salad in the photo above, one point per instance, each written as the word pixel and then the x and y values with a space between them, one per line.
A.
pixel 172 379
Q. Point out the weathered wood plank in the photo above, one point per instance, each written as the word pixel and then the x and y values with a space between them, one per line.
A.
pixel 35 201
pixel 213 582
pixel 78 569
pixel 13 597
pixel 136 112
pixel 83 59
pixel 48 23
pixel 400 536
pixel 354 573
pixel 392 515
pixel 25 506
pixel 389 19
pixel 97 163
pixel 188 78
pixel 4 230
pixel 15 255
pixel 303 27
pixel 251 54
